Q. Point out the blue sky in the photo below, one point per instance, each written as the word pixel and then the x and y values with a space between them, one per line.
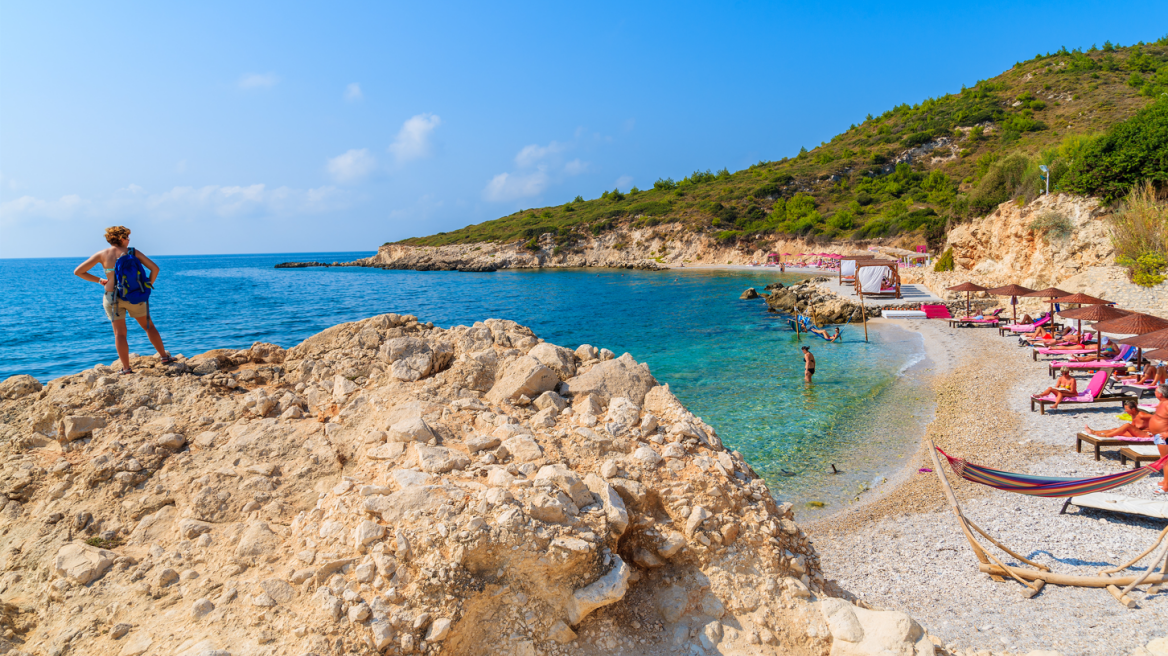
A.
pixel 285 127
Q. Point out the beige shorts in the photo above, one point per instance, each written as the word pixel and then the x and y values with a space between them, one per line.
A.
pixel 116 309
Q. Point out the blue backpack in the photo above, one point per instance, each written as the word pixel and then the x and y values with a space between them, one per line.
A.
pixel 131 278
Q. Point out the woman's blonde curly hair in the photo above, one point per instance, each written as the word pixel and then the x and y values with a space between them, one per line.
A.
pixel 115 234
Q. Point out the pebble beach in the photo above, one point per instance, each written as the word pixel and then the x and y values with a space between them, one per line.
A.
pixel 903 548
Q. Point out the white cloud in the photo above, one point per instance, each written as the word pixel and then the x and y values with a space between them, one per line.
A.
pixel 413 140
pixel 624 181
pixel 258 81
pixel 179 203
pixel 352 166
pixel 534 154
pixel 575 167
pixel 512 186
pixel 353 92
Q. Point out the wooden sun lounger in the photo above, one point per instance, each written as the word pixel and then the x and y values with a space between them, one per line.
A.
pixel 1099 442
pixel 1139 454
pixel 1155 508
pixel 1103 398
pixel 965 323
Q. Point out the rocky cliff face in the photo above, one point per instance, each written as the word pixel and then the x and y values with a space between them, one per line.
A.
pixel 663 245
pixel 391 487
pixel 1004 247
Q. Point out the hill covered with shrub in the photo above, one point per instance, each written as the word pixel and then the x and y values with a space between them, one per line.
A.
pixel 1097 119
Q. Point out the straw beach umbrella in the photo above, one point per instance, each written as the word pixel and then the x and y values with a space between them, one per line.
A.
pixel 1147 331
pixel 1083 299
pixel 1094 313
pixel 1050 293
pixel 967 287
pixel 1013 291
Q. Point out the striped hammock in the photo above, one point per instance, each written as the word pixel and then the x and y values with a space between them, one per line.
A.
pixel 1047 486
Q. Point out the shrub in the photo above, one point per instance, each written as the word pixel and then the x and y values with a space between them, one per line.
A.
pixel 650 208
pixel 665 184
pixel 1050 224
pixel 532 245
pixel 1005 179
pixel 727 236
pixel 1132 151
pixel 1139 232
pixel 945 262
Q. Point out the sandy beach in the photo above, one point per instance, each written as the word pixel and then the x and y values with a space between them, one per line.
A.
pixel 901 547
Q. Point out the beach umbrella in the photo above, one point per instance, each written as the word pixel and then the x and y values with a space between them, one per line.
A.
pixel 1083 299
pixel 1093 313
pixel 1139 325
pixel 1050 294
pixel 1013 291
pixel 967 287
pixel 1158 354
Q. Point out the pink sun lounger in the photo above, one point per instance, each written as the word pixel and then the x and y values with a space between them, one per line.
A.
pixel 1026 327
pixel 1093 394
pixel 1118 361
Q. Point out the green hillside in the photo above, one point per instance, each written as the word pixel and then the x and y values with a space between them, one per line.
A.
pixel 914 168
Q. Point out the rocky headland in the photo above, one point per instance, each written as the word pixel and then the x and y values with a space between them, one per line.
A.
pixel 391 487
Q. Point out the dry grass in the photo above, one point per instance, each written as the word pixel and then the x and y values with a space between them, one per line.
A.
pixel 1140 233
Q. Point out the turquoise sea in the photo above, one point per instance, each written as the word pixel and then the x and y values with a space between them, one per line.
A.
pixel 728 360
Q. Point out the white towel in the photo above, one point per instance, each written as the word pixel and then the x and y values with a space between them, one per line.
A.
pixel 848 267
pixel 870 278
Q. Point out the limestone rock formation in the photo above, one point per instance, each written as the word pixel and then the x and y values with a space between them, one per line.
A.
pixel 391 487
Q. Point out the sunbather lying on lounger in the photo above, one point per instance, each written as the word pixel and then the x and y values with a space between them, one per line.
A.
pixel 1107 351
pixel 1147 377
pixel 1065 386
pixel 1137 427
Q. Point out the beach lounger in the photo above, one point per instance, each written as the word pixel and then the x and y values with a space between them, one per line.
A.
pixel 1100 442
pixel 1093 394
pixel 904 314
pixel 1155 508
pixel 1035 352
pixel 1118 361
pixel 1138 454
pixel 1138 390
pixel 973 322
pixel 1022 327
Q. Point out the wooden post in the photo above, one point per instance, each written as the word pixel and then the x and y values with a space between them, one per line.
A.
pixel 864 314
pixel 797 339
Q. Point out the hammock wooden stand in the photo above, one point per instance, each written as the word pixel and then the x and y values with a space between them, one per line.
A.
pixel 1033 580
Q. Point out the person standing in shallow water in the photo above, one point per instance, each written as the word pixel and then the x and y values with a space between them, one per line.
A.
pixel 116 309
pixel 809 362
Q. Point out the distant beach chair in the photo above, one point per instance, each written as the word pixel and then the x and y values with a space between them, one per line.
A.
pixel 1093 394
pixel 991 321
pixel 1155 508
pixel 1023 327
pixel 1101 442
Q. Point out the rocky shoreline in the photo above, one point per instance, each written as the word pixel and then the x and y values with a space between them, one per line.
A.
pixel 391 487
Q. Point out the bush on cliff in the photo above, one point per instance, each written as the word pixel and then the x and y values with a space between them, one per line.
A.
pixel 1130 152
pixel 945 263
pixel 1140 234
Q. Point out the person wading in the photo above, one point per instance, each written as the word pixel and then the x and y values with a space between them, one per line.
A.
pixel 809 361
pixel 127 291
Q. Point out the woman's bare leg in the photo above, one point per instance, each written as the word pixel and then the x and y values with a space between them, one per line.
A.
pixel 120 343
pixel 148 325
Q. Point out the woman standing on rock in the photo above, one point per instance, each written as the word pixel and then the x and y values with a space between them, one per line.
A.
pixel 120 258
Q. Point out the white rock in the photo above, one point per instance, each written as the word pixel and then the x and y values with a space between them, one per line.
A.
pixel 440 459
pixel 359 613
pixel 439 629
pixel 368 531
pixel 413 429
pixel 522 448
pixel 202 607
pixel 523 376
pixel 648 456
pixel 696 517
pixel 342 387
pixel 606 590
pixel 83 563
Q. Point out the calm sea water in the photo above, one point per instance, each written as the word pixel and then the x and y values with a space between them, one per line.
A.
pixel 728 360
